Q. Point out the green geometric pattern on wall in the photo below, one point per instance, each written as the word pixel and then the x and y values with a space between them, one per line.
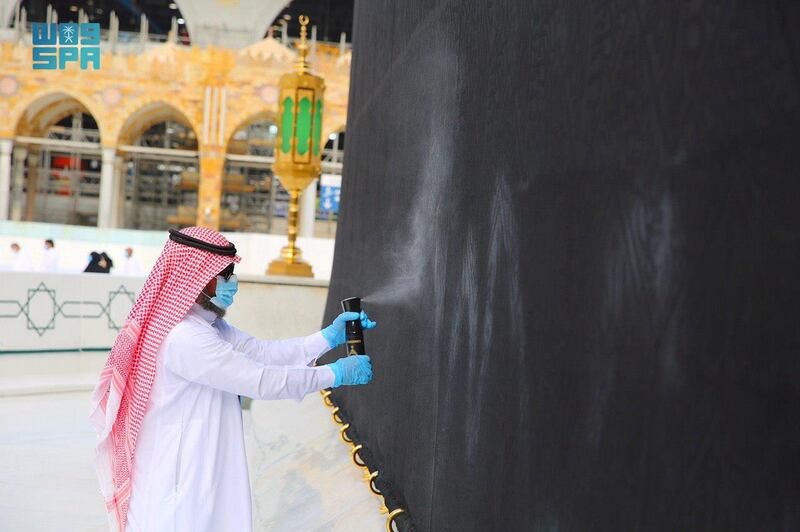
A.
pixel 41 308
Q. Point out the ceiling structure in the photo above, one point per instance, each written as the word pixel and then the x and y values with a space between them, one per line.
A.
pixel 221 23
pixel 229 23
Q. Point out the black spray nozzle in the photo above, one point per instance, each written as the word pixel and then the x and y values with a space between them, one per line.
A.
pixel 352 330
pixel 351 304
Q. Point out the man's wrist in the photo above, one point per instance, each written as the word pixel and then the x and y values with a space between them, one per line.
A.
pixel 334 375
pixel 315 345
pixel 330 336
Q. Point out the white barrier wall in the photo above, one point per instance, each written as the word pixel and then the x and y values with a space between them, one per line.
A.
pixel 63 312
pixel 55 329
pixel 47 313
pixel 75 243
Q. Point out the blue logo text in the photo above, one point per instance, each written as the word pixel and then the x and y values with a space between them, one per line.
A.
pixel 57 45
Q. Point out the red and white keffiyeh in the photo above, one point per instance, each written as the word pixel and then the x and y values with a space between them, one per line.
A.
pixel 120 399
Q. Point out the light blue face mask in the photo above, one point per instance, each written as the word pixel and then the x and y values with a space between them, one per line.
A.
pixel 225 291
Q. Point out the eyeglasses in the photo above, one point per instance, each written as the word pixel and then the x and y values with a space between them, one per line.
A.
pixel 227 272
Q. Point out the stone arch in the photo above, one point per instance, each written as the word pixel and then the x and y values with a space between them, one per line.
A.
pixel 41 110
pixel 262 115
pixel 150 113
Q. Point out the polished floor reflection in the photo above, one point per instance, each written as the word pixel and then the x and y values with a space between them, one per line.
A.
pixel 300 471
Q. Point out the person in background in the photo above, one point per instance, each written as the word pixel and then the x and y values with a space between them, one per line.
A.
pixel 99 263
pixel 50 258
pixel 20 260
pixel 130 265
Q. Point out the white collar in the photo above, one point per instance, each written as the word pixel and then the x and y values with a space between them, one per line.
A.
pixel 207 315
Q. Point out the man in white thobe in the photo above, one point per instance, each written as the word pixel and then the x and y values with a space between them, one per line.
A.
pixel 50 257
pixel 130 266
pixel 189 470
pixel 20 260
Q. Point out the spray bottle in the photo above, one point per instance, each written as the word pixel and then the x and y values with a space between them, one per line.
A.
pixel 354 335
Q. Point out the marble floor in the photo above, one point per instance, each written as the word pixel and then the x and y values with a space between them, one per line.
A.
pixel 301 472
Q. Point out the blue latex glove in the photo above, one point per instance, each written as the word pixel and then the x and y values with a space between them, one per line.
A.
pixel 334 333
pixel 355 369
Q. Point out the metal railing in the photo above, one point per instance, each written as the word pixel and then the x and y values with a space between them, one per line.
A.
pixel 133 42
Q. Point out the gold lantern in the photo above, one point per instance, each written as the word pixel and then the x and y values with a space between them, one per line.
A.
pixel 298 150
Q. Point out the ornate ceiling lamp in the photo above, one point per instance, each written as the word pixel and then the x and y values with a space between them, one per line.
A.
pixel 298 150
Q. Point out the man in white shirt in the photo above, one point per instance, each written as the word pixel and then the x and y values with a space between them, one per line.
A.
pixel 130 266
pixel 171 454
pixel 50 257
pixel 20 260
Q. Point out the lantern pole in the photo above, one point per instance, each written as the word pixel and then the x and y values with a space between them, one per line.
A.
pixel 298 151
pixel 291 253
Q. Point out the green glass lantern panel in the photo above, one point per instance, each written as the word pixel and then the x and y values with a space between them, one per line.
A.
pixel 287 125
pixel 303 126
pixel 318 127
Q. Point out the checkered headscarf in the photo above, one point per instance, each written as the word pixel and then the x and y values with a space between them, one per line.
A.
pixel 120 399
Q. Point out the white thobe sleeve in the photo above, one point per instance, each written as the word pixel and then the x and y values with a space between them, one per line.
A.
pixel 301 351
pixel 206 358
